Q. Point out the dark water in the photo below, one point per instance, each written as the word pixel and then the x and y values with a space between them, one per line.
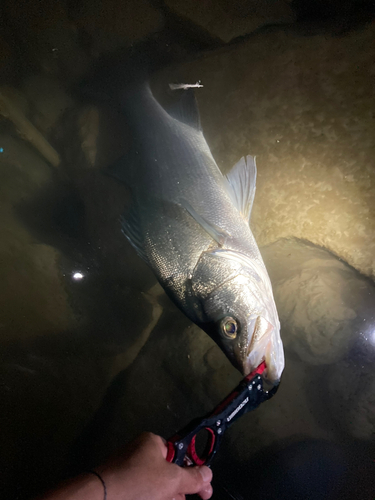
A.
pixel 92 351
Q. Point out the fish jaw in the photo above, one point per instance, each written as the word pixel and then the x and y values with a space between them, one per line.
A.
pixel 265 345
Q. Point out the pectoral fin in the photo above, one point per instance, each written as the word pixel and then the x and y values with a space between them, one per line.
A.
pixel 241 183
pixel 214 231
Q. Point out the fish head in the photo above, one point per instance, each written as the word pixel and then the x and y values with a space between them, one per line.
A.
pixel 240 315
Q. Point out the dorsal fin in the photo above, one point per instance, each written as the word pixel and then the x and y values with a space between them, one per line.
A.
pixel 241 185
pixel 185 108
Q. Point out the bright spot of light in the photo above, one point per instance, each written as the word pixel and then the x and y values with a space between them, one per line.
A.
pixel 372 338
pixel 78 276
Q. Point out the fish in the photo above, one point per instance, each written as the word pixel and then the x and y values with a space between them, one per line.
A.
pixel 190 223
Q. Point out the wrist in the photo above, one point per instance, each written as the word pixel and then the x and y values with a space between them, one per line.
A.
pixel 102 482
pixel 85 487
pixel 120 484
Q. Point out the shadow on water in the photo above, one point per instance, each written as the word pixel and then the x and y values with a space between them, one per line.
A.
pixel 40 409
pixel 306 468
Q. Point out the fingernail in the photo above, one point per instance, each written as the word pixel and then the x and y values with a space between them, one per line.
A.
pixel 206 473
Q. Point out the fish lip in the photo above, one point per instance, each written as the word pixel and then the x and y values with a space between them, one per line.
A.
pixel 274 366
pixel 246 364
pixel 259 349
pixel 247 367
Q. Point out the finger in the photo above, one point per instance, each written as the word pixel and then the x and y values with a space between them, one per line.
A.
pixel 153 440
pixel 194 479
pixel 206 493
pixel 162 445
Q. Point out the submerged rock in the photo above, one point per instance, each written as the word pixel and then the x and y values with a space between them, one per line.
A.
pixel 111 24
pixel 322 302
pixel 326 311
pixel 47 37
pixel 304 106
pixel 49 100
pixel 227 20
pixel 33 299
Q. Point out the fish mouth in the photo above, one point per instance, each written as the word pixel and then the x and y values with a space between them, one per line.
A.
pixel 261 348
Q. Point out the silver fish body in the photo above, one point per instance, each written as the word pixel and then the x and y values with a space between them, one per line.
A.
pixel 189 222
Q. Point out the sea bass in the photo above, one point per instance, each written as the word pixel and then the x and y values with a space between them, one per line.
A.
pixel 190 223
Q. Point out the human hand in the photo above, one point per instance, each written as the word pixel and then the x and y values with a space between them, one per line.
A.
pixel 141 472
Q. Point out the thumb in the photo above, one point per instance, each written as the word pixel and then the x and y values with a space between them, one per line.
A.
pixel 194 479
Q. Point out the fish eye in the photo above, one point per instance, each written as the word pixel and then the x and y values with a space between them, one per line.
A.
pixel 229 327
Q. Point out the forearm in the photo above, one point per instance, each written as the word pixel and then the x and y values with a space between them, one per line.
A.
pixel 83 487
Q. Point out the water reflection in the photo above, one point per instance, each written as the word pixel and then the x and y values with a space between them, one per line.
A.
pixel 371 337
pixel 77 276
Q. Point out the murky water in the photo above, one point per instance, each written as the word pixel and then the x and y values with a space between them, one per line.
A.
pixel 93 352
